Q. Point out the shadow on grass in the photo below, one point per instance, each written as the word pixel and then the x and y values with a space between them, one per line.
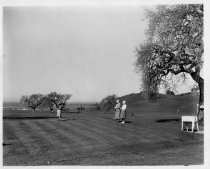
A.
pixel 167 120
pixel 6 144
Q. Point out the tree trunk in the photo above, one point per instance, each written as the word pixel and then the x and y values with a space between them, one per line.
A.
pixel 201 100
pixel 200 82
pixel 201 88
pixel 51 109
pixel 33 108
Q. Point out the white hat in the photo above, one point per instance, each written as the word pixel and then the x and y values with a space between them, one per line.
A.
pixel 123 101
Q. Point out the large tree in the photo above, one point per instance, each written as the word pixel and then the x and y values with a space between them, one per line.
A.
pixel 33 101
pixel 174 46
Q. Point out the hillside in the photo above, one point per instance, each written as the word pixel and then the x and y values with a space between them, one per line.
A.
pixel 165 103
pixel 139 97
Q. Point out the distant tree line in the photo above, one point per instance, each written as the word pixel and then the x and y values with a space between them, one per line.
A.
pixel 107 103
pixel 52 100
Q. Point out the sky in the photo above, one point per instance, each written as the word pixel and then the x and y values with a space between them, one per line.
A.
pixel 87 51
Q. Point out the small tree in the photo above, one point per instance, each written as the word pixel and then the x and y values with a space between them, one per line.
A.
pixel 59 99
pixel 47 103
pixel 97 106
pixel 108 102
pixel 33 101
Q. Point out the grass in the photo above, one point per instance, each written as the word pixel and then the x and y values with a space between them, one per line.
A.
pixel 151 136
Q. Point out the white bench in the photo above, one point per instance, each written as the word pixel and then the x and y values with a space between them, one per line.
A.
pixel 192 119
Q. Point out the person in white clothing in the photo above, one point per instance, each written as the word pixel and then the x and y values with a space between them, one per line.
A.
pixel 117 110
pixel 59 110
pixel 123 112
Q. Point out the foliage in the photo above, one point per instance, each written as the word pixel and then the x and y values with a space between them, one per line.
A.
pixel 33 101
pixel 108 102
pixel 80 108
pixel 97 106
pixel 50 100
pixel 47 103
pixel 59 99
pixel 174 46
pixel 169 92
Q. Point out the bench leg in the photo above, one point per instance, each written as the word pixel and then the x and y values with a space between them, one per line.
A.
pixel 197 126
pixel 193 124
pixel 182 126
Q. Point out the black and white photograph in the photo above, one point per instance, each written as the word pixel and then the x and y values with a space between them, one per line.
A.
pixel 116 83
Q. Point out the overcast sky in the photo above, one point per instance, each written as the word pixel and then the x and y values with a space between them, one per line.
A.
pixel 86 51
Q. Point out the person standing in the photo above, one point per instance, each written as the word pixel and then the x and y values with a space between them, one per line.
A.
pixel 59 112
pixel 117 110
pixel 60 107
pixel 123 112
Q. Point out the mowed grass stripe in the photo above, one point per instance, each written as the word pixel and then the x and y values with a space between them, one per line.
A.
pixel 121 134
pixel 25 138
pixel 137 130
pixel 63 139
pixel 16 147
pixel 123 131
pixel 94 132
pixel 123 159
pixel 111 158
pixel 52 135
pixel 86 137
pixel 8 133
pixel 49 137
pixel 132 134
pixel 114 124
pixel 73 138
pixel 98 134
pixel 116 127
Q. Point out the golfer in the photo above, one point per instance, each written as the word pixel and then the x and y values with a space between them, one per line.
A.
pixel 123 112
pixel 117 110
pixel 59 111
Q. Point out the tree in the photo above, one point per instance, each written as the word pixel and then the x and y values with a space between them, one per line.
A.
pixel 59 99
pixel 174 46
pixel 108 102
pixel 97 106
pixel 33 101
pixel 169 92
pixel 46 102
